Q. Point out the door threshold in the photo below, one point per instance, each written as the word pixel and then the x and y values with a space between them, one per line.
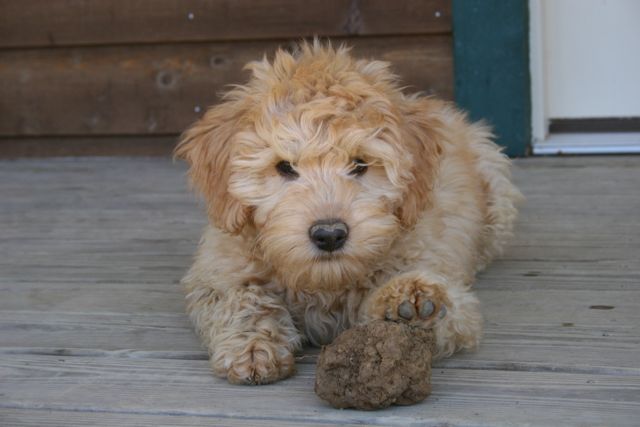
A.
pixel 589 143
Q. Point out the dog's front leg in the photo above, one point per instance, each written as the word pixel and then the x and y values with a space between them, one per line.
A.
pixel 248 331
pixel 425 299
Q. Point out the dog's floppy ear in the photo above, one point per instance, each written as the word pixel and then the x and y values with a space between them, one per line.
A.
pixel 207 147
pixel 420 139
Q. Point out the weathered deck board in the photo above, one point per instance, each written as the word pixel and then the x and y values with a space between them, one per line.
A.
pixel 48 417
pixel 92 329
pixel 154 387
pixel 506 346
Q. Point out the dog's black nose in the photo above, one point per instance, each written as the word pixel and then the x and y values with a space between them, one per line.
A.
pixel 329 234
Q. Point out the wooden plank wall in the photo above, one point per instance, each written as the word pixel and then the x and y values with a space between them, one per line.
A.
pixel 127 76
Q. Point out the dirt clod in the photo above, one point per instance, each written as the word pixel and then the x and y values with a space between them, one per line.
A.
pixel 376 365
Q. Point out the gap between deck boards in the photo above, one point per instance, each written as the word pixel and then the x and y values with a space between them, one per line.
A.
pixel 311 355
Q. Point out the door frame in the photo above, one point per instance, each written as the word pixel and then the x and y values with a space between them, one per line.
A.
pixel 542 141
pixel 491 68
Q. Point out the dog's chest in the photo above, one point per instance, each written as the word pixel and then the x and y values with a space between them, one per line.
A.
pixel 323 315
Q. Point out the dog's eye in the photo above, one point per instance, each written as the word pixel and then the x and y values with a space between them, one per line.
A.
pixel 359 167
pixel 285 169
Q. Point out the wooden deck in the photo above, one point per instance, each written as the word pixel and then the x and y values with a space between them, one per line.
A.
pixel 92 328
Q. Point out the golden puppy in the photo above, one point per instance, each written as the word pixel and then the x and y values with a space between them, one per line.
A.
pixel 335 199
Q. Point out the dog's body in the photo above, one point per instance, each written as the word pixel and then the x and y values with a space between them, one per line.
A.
pixel 335 199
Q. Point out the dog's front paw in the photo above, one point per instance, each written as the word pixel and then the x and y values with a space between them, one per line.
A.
pixel 410 299
pixel 255 361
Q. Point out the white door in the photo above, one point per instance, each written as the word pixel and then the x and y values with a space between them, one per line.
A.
pixel 585 57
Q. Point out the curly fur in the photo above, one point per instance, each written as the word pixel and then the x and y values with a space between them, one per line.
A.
pixel 435 205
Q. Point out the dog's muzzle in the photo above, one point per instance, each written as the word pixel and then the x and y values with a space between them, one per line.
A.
pixel 329 234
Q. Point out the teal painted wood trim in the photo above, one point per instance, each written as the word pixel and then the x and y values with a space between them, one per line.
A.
pixel 492 78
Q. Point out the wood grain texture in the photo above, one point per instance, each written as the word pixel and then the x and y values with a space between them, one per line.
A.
pixel 11 148
pixel 57 418
pixel 552 345
pixel 161 89
pixel 93 330
pixel 178 387
pixel 78 22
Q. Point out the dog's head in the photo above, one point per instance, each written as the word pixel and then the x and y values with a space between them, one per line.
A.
pixel 320 159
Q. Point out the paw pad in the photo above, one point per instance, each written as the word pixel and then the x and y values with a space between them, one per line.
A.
pixel 443 312
pixel 426 309
pixel 407 310
pixel 412 301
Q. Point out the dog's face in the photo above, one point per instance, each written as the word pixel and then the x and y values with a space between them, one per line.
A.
pixel 320 160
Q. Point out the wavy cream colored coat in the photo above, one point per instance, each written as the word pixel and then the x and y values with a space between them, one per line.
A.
pixel 435 206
